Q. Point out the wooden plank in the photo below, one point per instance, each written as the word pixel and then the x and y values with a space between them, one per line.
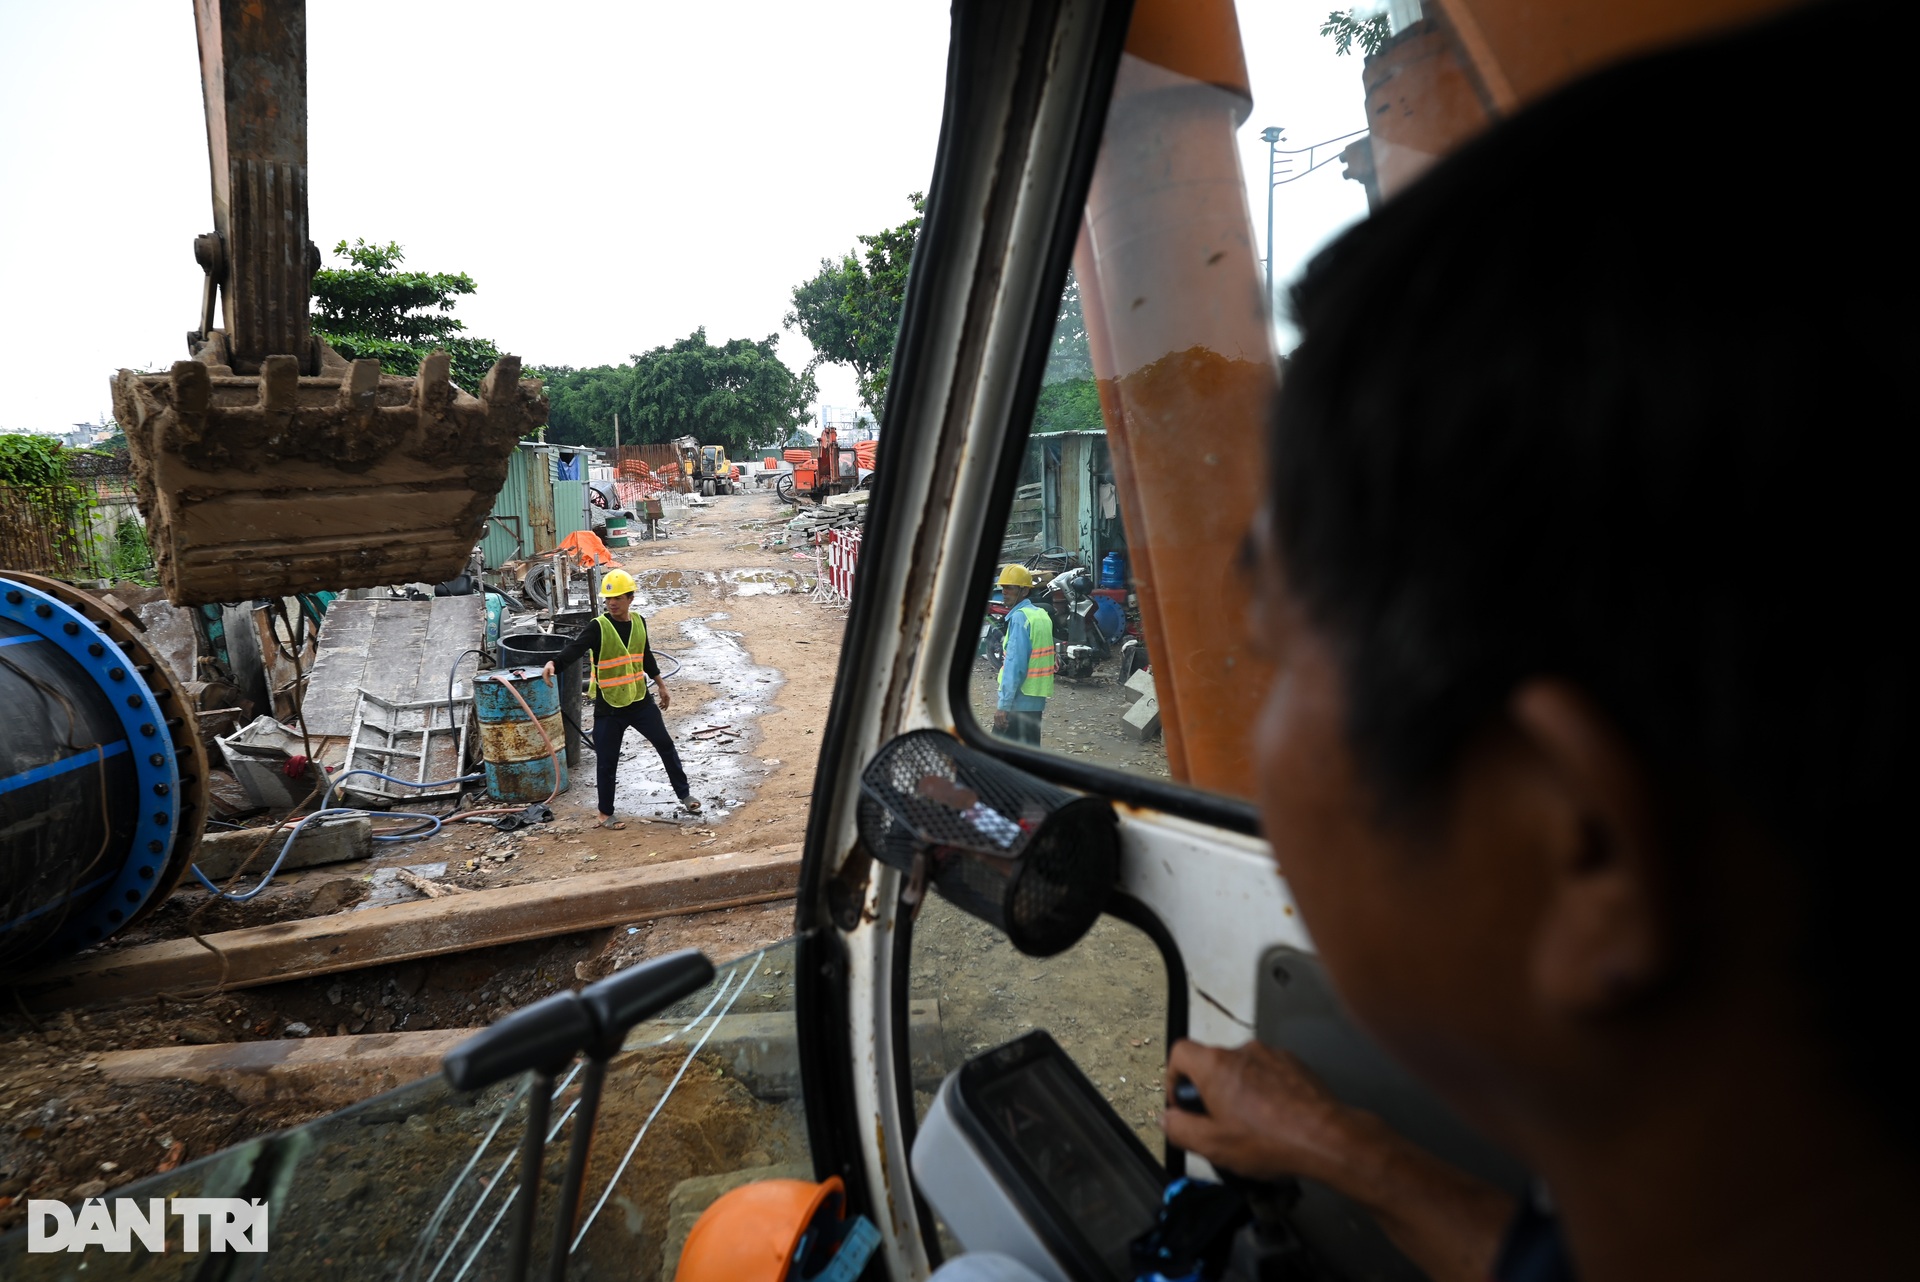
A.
pixel 424 928
pixel 759 1049
pixel 328 1072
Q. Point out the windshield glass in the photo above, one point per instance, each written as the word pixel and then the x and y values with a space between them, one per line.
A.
pixel 422 1182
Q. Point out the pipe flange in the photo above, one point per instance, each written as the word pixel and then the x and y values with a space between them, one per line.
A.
pixel 171 763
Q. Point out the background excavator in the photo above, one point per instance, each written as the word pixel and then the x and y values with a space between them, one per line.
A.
pixel 267 464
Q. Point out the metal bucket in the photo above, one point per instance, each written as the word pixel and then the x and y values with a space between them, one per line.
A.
pixel 617 531
pixel 532 650
pixel 519 765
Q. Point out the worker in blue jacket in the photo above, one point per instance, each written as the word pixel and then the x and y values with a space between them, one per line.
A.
pixel 1026 671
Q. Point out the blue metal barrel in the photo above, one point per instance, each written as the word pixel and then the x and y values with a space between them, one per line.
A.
pixel 101 773
pixel 520 766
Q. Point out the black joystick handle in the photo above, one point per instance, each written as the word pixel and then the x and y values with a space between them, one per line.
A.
pixel 1269 1200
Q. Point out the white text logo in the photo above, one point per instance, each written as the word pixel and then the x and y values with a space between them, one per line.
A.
pixel 231 1223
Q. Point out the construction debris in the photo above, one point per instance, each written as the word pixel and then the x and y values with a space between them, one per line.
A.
pixel 1143 718
pixel 328 840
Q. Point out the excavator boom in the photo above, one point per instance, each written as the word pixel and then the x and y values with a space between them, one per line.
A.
pixel 267 465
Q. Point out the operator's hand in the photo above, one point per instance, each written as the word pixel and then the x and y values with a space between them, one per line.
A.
pixel 1000 719
pixel 666 700
pixel 547 671
pixel 1267 1115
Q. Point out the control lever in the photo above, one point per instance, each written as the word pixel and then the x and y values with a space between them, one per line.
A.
pixel 1278 1254
pixel 615 1005
pixel 542 1039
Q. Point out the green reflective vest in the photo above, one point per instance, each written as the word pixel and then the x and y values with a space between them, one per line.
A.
pixel 1040 665
pixel 619 674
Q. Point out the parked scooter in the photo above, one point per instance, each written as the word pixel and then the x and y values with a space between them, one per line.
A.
pixel 1088 630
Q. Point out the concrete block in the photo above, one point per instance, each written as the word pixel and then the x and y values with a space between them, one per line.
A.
pixel 1143 718
pixel 324 841
pixel 1141 683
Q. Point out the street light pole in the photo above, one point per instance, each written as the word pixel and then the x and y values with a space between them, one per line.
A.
pixel 1271 135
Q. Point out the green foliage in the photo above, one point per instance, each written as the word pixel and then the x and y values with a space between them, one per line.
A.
pixel 28 458
pixel 1071 406
pixel 132 557
pixel 581 403
pixel 372 308
pixel 739 394
pixel 1069 400
pixel 850 310
pixel 1347 29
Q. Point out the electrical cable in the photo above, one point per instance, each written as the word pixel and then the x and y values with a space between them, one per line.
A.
pixel 431 822
pixel 457 661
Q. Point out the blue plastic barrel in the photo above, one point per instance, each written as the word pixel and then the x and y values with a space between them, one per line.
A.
pixel 1113 570
pixel 520 764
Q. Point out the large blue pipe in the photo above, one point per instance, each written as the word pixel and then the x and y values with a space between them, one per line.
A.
pixel 101 776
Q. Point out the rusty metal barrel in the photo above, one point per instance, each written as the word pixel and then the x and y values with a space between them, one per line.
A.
pixel 520 761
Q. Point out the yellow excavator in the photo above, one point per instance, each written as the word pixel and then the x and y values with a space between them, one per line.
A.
pixel 267 464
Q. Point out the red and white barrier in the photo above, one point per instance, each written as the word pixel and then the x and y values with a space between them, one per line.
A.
pixel 836 559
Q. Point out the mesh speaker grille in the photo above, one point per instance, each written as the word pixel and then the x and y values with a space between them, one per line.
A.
pixel 1032 859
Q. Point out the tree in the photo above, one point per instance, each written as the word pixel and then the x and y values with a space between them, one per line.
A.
pixel 581 403
pixel 739 394
pixel 850 310
pixel 1069 401
pixel 372 308
pixel 1348 28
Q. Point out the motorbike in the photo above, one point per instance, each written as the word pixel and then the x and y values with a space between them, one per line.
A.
pixel 1087 630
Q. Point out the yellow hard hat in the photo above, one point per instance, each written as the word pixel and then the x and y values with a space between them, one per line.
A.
pixel 617 583
pixel 1018 576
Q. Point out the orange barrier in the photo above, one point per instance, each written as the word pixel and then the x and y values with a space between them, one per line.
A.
pixel 866 454
pixel 797 457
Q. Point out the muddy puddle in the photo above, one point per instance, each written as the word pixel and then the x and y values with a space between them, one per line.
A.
pixel 764 582
pixel 716 744
pixel 658 588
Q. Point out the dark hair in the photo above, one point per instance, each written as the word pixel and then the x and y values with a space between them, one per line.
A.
pixel 1623 393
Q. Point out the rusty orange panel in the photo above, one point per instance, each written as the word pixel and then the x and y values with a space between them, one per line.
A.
pixel 1170 287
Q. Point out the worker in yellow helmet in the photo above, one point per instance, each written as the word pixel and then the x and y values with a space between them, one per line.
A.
pixel 622 663
pixel 1026 671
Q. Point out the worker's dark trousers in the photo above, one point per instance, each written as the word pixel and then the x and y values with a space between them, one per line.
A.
pixel 610 726
pixel 1024 727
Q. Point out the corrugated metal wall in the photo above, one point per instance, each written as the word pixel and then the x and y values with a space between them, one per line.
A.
pixel 506 534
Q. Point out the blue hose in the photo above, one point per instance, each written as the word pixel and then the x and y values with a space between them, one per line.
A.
pixel 432 823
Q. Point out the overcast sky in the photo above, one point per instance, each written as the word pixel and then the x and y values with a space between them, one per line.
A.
pixel 612 173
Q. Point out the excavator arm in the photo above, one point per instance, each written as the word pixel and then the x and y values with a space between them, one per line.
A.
pixel 266 464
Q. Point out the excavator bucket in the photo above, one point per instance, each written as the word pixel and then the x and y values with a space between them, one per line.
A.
pixel 267 465
pixel 282 484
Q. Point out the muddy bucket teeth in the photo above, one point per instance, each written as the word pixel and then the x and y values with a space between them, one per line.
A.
pixel 279 484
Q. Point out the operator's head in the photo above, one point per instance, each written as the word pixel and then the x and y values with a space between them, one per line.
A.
pixel 1592 754
pixel 616 590
pixel 1016 581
